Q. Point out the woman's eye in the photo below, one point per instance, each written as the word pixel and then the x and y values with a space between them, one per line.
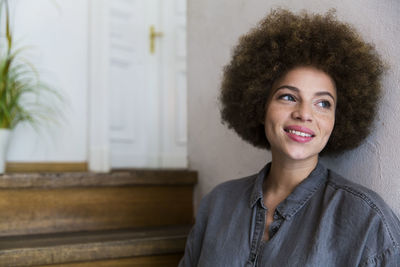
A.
pixel 287 97
pixel 324 104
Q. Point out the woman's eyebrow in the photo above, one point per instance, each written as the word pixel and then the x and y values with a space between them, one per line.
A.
pixel 325 93
pixel 288 87
pixel 297 91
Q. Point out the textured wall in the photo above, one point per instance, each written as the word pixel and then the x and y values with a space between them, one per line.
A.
pixel 219 155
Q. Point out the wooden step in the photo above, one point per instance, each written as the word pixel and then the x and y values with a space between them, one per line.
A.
pixel 116 248
pixel 171 260
pixel 72 202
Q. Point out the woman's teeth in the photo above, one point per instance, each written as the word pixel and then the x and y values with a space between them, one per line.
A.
pixel 299 133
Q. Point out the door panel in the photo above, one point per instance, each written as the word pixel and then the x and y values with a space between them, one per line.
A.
pixel 134 85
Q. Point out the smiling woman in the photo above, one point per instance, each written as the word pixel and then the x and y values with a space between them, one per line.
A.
pixel 299 85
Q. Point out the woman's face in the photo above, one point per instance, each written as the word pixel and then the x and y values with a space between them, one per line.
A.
pixel 300 113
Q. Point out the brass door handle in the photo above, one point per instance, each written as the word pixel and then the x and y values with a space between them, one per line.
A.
pixel 153 35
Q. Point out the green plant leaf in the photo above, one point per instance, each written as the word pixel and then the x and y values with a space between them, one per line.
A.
pixel 21 89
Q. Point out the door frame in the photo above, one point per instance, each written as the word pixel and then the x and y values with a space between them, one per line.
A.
pixel 98 87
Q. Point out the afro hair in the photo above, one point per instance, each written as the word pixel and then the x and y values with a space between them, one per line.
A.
pixel 283 41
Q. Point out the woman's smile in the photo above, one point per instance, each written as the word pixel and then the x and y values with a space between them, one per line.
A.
pixel 299 134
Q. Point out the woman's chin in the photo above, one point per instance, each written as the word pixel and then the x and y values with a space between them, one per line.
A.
pixel 300 155
pixel 296 152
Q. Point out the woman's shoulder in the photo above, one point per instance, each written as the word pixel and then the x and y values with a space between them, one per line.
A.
pixel 365 204
pixel 233 185
pixel 354 190
pixel 340 183
pixel 363 208
pixel 232 188
pixel 227 196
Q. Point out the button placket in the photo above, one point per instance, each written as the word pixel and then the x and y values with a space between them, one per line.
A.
pixel 276 224
pixel 258 233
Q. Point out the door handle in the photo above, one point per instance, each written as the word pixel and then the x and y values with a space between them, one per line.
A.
pixel 153 35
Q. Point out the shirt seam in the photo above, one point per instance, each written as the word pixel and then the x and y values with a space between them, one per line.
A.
pixel 379 256
pixel 369 202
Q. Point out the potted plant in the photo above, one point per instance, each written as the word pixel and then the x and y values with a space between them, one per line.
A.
pixel 21 91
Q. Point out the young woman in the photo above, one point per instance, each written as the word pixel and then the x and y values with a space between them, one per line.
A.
pixel 299 85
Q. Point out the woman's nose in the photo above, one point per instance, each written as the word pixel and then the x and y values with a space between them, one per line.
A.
pixel 303 112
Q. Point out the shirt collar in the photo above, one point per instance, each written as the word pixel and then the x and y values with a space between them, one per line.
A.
pixel 300 195
pixel 257 192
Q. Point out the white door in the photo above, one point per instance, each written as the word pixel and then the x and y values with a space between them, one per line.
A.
pixel 173 146
pixel 146 89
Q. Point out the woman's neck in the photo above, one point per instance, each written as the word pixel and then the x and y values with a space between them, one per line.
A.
pixel 286 174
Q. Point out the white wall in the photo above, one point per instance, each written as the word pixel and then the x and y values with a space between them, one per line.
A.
pixel 57 31
pixel 219 155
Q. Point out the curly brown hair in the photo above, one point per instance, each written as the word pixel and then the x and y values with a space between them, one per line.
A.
pixel 283 41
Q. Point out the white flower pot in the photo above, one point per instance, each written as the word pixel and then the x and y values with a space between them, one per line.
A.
pixel 4 141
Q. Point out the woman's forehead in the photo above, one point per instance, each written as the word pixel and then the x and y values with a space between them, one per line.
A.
pixel 306 80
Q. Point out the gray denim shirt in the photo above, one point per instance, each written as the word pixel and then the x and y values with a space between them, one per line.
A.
pixel 326 221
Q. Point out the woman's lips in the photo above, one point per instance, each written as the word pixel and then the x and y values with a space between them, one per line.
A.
pixel 299 134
